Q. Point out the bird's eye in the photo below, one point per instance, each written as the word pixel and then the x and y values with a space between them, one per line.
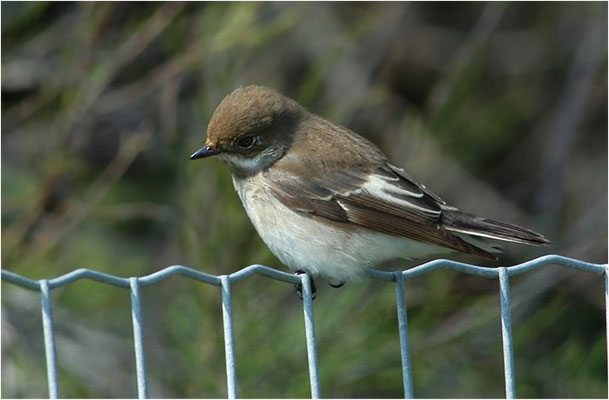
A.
pixel 246 142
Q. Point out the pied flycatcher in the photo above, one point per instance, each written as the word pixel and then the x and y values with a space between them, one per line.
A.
pixel 327 201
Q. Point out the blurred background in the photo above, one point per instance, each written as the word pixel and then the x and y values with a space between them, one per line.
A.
pixel 499 108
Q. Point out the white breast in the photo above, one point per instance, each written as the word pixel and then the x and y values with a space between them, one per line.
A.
pixel 303 243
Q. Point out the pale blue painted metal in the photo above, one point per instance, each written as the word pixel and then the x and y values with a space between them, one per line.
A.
pixel 49 339
pixel 403 332
pixel 20 280
pixel 506 332
pixel 307 305
pixel 229 338
pixel 138 339
pixel 44 286
pixel 491 272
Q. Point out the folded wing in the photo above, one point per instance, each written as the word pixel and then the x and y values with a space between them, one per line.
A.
pixel 383 199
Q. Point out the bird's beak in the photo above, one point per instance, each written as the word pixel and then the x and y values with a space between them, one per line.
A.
pixel 204 151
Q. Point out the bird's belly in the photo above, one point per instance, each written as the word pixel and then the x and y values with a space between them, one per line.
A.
pixel 319 248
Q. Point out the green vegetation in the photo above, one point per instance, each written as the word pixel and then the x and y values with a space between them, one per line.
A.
pixel 500 108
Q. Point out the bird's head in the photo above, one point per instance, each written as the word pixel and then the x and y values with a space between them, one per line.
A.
pixel 251 129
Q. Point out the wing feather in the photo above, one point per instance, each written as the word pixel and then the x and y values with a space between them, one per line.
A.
pixel 383 200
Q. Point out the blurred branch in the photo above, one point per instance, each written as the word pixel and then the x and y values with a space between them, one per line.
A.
pixel 90 87
pixel 45 72
pixel 97 79
pixel 562 131
pixel 141 88
pixel 586 238
pixel 53 232
pixel 168 112
pixel 102 74
pixel 348 81
pixel 478 37
pixel 524 294
pixel 125 211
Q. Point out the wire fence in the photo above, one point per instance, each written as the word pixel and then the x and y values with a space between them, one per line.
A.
pixel 44 286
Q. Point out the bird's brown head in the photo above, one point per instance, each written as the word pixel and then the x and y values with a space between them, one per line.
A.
pixel 251 128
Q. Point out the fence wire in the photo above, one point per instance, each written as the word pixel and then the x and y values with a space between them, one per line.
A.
pixel 225 282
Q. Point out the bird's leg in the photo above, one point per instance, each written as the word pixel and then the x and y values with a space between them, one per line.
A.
pixel 299 289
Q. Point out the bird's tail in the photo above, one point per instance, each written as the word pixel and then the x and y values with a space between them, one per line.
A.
pixel 461 222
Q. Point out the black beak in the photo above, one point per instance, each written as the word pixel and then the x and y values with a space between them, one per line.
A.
pixel 204 151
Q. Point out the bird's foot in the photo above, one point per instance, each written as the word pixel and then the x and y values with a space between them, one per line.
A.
pixel 298 286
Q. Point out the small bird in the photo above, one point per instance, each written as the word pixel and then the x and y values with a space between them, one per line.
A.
pixel 326 201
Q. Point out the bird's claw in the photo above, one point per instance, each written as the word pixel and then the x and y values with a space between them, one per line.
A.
pixel 337 285
pixel 299 289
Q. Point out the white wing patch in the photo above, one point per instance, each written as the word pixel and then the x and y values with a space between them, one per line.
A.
pixel 380 188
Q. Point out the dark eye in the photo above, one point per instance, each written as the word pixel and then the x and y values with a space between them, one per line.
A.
pixel 246 142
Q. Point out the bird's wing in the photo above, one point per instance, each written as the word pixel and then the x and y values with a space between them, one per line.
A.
pixel 383 199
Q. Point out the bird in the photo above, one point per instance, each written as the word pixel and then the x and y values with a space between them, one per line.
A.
pixel 327 201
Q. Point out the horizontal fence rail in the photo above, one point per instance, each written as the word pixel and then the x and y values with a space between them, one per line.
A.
pixel 503 274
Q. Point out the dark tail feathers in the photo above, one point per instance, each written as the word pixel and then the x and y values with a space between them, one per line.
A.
pixel 458 221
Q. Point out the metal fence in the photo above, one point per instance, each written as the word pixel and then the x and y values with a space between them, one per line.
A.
pixel 44 286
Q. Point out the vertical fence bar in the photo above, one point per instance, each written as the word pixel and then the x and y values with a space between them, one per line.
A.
pixel 607 320
pixel 229 338
pixel 307 301
pixel 403 332
pixel 49 339
pixel 506 333
pixel 138 339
